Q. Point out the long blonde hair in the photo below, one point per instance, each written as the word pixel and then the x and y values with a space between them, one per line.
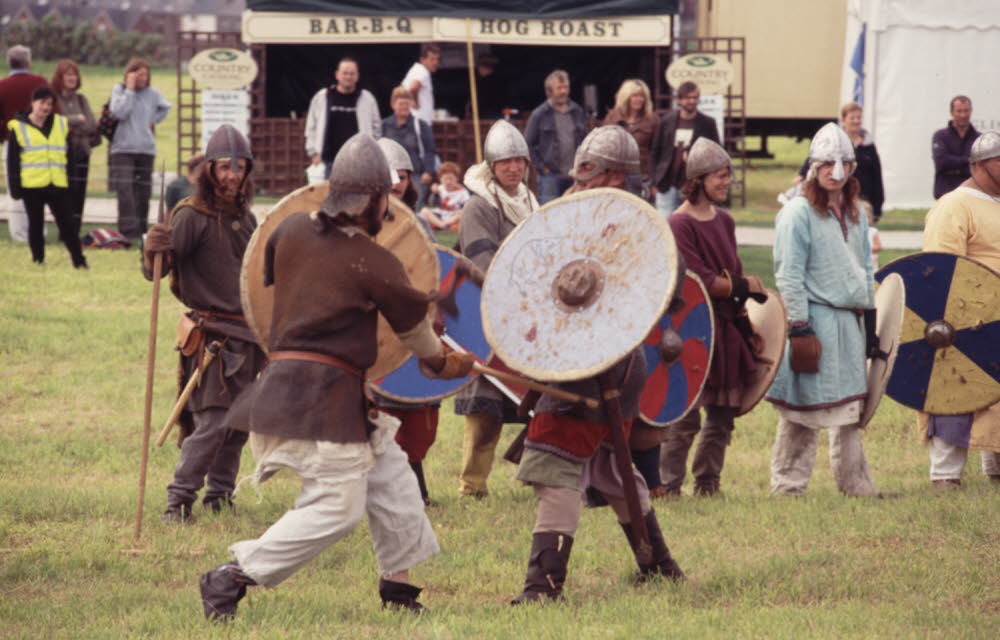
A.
pixel 628 89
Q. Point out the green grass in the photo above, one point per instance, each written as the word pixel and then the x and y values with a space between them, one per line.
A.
pixel 72 352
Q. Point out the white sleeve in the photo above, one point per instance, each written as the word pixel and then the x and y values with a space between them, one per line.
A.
pixel 315 122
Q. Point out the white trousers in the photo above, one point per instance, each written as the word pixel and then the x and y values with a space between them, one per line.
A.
pixel 328 509
pixel 948 460
pixel 794 456
pixel 17 217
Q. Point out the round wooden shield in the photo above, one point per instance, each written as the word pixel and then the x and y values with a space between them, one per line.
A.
pixel 770 321
pixel 949 351
pixel 890 305
pixel 407 383
pixel 401 234
pixel 672 391
pixel 578 284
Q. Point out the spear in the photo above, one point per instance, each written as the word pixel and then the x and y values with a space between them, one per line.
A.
pixel 154 311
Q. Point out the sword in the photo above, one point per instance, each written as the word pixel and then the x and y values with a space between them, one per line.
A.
pixel 211 351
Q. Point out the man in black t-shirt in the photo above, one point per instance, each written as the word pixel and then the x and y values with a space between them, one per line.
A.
pixel 338 112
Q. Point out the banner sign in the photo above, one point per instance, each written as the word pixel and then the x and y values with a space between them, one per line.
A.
pixel 304 28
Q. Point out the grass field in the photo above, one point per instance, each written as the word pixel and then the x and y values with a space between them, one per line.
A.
pixel 72 352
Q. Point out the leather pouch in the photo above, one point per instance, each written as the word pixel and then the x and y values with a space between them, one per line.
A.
pixel 806 351
pixel 190 335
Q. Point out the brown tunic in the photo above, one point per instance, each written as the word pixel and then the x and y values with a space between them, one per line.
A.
pixel 642 130
pixel 482 230
pixel 328 291
pixel 205 275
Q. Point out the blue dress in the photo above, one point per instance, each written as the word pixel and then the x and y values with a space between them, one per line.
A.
pixel 824 273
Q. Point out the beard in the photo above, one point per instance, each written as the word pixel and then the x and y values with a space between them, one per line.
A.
pixel 371 219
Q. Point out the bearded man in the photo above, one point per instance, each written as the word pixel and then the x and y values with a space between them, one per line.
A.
pixel 203 244
pixel 308 411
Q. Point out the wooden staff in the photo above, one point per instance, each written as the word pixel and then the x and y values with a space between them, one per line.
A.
pixel 472 91
pixel 154 311
pixel 623 460
pixel 210 352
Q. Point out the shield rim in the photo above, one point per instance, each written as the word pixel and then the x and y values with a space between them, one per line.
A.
pixel 875 395
pixel 438 398
pixel 381 368
pixel 772 294
pixel 551 375
pixel 885 271
pixel 711 355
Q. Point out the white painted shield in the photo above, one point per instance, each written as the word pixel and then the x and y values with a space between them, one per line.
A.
pixel 890 305
pixel 624 240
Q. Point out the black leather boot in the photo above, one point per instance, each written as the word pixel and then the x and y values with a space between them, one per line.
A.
pixel 418 470
pixel 663 563
pixel 177 514
pixel 221 589
pixel 546 567
pixel 217 503
pixel 399 595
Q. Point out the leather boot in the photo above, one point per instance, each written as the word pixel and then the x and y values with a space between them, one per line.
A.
pixel 546 567
pixel 221 589
pixel 177 514
pixel 418 470
pixel 399 595
pixel 663 563
pixel 216 504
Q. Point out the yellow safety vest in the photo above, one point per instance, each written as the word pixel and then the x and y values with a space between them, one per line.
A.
pixel 43 160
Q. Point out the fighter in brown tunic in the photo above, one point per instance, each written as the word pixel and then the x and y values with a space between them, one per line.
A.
pixel 203 244
pixel 307 412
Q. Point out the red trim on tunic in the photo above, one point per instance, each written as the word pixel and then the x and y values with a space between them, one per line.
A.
pixel 573 435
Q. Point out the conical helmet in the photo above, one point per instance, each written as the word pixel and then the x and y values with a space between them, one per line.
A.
pixel 360 170
pixel 986 146
pixel 504 141
pixel 831 144
pixel 705 157
pixel 398 157
pixel 228 142
pixel 607 148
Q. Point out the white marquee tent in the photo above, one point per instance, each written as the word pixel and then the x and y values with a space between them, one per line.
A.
pixel 918 54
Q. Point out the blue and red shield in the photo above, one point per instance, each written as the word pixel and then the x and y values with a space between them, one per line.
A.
pixel 407 383
pixel 671 392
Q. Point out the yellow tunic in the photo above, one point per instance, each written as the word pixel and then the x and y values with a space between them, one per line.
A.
pixel 966 222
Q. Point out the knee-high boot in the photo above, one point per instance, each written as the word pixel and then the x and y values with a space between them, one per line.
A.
pixel 546 567
pixel 663 563
pixel 418 470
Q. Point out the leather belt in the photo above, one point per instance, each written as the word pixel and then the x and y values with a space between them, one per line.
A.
pixel 312 356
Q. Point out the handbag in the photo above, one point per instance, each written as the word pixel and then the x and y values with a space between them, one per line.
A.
pixel 107 124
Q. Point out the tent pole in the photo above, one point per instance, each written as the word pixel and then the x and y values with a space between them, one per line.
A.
pixel 472 91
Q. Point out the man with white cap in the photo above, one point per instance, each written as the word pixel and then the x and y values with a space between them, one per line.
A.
pixel 500 200
pixel 824 274
pixel 307 411
pixel 706 238
pixel 966 222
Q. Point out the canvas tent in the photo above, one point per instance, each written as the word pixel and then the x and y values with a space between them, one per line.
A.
pixel 916 56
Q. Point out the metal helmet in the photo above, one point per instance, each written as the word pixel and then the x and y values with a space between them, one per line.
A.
pixel 705 157
pixel 228 142
pixel 503 141
pixel 398 157
pixel 360 170
pixel 986 146
pixel 831 144
pixel 607 148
